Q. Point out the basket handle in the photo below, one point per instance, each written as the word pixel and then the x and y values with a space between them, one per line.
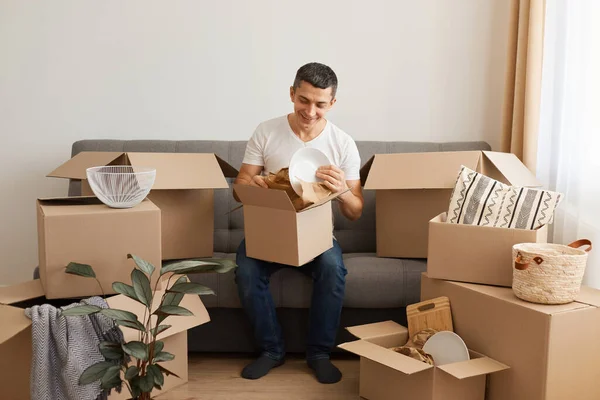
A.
pixel 520 265
pixel 581 242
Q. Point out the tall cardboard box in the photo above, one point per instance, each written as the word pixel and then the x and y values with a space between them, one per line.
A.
pixel 16 344
pixel 84 230
pixel 276 232
pixel 552 350
pixel 183 190
pixel 412 188
pixel 476 254
pixel 388 375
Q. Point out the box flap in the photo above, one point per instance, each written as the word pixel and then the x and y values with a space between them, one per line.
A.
pixel 365 169
pixel 387 357
pixel 76 166
pixel 419 170
pixel 474 367
pixel 86 205
pixel 21 292
pixel 515 172
pixel 377 329
pixel 261 197
pixel 178 323
pixel 227 169
pixel 13 320
pixel 182 170
pixel 325 200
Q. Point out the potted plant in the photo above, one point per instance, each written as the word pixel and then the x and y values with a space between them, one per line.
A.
pixel 137 364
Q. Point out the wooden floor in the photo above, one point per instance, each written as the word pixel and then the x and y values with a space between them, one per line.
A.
pixel 217 377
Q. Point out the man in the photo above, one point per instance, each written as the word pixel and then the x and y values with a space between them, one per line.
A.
pixel 269 149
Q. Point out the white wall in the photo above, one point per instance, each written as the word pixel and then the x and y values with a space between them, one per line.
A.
pixel 69 70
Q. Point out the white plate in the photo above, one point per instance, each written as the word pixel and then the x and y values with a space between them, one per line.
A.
pixel 304 165
pixel 446 347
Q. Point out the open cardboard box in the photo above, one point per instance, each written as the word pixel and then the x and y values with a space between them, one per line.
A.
pixel 183 190
pixel 276 232
pixel 552 350
pixel 477 254
pixel 85 231
pixel 16 345
pixel 388 375
pixel 412 188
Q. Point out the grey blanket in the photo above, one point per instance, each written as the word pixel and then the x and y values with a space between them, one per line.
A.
pixel 63 347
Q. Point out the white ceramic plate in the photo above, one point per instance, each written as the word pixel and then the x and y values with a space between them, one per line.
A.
pixel 304 165
pixel 446 347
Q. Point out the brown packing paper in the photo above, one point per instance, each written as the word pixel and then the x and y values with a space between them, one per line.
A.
pixel 414 347
pixel 312 192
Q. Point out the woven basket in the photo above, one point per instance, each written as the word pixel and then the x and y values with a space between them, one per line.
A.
pixel 549 273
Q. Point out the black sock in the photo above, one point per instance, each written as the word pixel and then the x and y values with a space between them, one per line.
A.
pixel 326 372
pixel 260 367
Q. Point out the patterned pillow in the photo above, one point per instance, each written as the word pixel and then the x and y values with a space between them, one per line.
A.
pixel 480 200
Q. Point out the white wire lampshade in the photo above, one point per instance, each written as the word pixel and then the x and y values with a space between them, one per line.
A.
pixel 121 186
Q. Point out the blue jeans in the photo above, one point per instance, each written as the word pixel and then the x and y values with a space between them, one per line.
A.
pixel 329 280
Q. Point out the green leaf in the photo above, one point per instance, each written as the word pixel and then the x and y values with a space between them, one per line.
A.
pixel 163 356
pixel 190 288
pixel 135 387
pixel 111 351
pixel 131 372
pixel 144 265
pixel 122 315
pixel 159 378
pixel 94 372
pixel 173 310
pixel 126 290
pixel 159 329
pixel 158 346
pixel 137 325
pixel 199 266
pixel 173 299
pixel 111 377
pixel 136 349
pixel 141 286
pixel 167 372
pixel 147 383
pixel 81 310
pixel 80 270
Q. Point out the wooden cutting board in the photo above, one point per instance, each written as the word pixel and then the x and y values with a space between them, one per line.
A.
pixel 434 313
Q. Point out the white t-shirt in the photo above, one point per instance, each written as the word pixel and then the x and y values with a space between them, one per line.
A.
pixel 274 143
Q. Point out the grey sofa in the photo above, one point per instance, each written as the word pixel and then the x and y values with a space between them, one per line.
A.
pixel 376 288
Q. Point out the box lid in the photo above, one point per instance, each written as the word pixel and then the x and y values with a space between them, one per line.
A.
pixel 173 170
pixel 13 319
pixel 21 292
pixel 261 197
pixel 511 168
pixel 437 170
pixel 474 367
pixel 178 323
pixel 588 298
pixel 377 329
pixel 78 205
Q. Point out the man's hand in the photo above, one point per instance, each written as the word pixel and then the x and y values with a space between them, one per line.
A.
pixel 333 177
pixel 259 181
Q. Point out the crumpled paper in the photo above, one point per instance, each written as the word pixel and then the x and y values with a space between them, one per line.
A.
pixel 414 347
pixel 312 192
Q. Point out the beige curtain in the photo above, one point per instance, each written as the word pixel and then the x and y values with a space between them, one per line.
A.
pixel 524 80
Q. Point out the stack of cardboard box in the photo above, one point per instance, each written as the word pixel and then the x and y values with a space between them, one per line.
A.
pixel 175 221
pixel 534 352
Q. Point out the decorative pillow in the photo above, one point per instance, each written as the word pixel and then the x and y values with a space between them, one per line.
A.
pixel 480 200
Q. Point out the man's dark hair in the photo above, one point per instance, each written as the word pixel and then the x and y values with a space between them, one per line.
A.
pixel 318 75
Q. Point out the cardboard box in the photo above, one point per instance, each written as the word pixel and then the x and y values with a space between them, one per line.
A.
pixel 276 232
pixel 477 254
pixel 388 375
pixel 552 350
pixel 83 230
pixel 183 190
pixel 412 188
pixel 16 345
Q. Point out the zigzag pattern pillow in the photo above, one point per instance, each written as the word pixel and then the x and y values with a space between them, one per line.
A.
pixel 480 200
